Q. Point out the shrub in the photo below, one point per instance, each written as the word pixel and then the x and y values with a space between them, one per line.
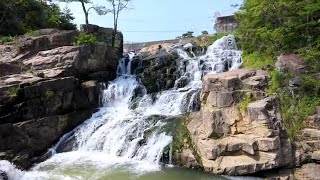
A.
pixel 5 39
pixel 257 60
pixel 246 99
pixel 49 93
pixel 206 40
pixel 14 90
pixel 85 39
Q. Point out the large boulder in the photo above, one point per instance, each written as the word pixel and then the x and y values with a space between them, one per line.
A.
pixel 291 63
pixel 41 40
pixel 48 87
pixel 3 175
pixel 50 52
pixel 21 142
pixel 158 72
pixel 21 102
pixel 238 130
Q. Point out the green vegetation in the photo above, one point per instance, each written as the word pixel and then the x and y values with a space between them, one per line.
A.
pixel 246 99
pixel 256 60
pixel 14 90
pixel 85 39
pixel 206 40
pixel 188 34
pixel 270 28
pixel 6 39
pixel 49 93
pixel 20 17
pixel 282 26
pixel 295 110
pixel 32 34
pixel 205 32
pixel 181 137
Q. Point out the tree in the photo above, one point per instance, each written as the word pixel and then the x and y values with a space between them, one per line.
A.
pixel 117 7
pixel 279 26
pixel 101 10
pixel 188 34
pixel 204 32
pixel 19 17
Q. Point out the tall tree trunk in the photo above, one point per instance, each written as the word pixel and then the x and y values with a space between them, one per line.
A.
pixel 114 34
pixel 86 14
pixel 115 24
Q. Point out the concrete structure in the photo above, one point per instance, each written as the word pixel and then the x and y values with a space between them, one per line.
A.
pixel 225 24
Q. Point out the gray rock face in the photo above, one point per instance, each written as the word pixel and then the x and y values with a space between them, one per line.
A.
pixel 20 142
pixel 48 87
pixel 308 147
pixel 291 63
pixel 238 141
pixel 158 72
pixel 46 98
pixel 3 175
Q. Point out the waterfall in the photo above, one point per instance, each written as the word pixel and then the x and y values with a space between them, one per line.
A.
pixel 128 131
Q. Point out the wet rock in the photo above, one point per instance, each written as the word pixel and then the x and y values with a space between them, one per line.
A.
pixel 48 87
pixel 157 72
pixel 182 82
pixel 291 63
pixel 186 159
pixel 3 175
pixel 30 138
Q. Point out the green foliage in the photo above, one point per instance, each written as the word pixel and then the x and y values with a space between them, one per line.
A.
pixel 181 137
pixel 311 86
pixel 205 32
pixel 14 90
pixel 257 61
pixel 207 40
pixel 5 39
pixel 275 82
pixel 49 93
pixel 246 99
pixel 19 17
pixel 295 111
pixel 188 34
pixel 270 28
pixel 85 39
pixel 311 56
pixel 280 26
pixel 295 108
pixel 32 34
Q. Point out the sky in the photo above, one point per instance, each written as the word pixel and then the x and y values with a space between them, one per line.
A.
pixel 151 20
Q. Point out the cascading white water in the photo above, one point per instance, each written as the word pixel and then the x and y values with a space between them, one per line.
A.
pixel 128 130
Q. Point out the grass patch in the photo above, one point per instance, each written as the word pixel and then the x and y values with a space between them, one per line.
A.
pixel 6 39
pixel 85 39
pixel 32 34
pixel 246 99
pixel 257 61
pixel 274 83
pixel 295 110
pixel 14 90
pixel 49 93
